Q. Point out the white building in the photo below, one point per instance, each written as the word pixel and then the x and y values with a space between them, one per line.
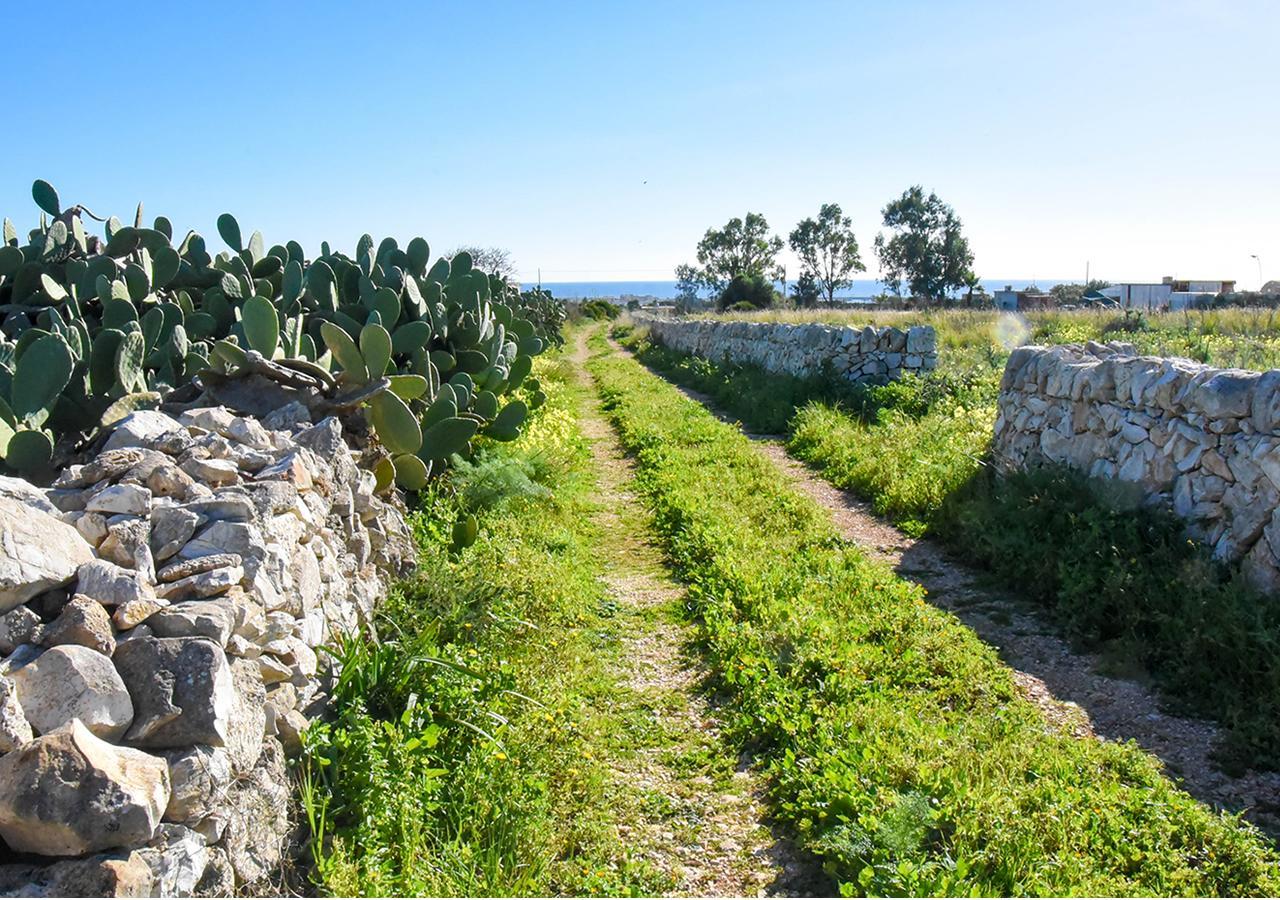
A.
pixel 1169 293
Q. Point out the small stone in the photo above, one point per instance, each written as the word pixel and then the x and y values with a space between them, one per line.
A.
pixel 171 528
pixel 82 621
pixel 248 716
pixel 92 527
pixel 150 429
pixel 177 857
pixel 128 545
pixel 186 568
pixel 37 552
pixel 73 682
pixel 202 584
pixel 118 874
pixel 213 472
pixel 182 691
pixel 126 499
pixel 111 585
pixel 71 793
pixel 272 670
pixel 199 777
pixel 168 480
pixel 18 626
pixel 291 468
pixel 15 730
pixel 211 619
pixel 290 728
pixel 226 506
pixel 133 613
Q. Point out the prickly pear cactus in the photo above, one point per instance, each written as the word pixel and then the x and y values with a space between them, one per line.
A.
pixel 94 326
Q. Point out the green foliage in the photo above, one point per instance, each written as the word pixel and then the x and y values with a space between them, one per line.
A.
pixel 743 247
pixel 828 252
pixel 926 250
pixel 599 310
pixel 747 292
pixel 899 748
pixel 87 321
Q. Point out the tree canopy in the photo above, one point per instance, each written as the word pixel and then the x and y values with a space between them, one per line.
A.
pixel 743 247
pixel 925 249
pixel 828 252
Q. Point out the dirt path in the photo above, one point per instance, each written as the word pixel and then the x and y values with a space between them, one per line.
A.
pixel 1087 693
pixel 701 817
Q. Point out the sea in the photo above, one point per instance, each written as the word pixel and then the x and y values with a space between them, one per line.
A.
pixel 860 292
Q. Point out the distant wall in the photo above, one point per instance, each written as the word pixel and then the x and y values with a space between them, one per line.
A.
pixel 868 354
pixel 1205 441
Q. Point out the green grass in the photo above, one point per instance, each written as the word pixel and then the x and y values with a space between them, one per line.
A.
pixel 1116 576
pixel 467 752
pixel 898 748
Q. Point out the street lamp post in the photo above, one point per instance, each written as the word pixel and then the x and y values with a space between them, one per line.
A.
pixel 1259 262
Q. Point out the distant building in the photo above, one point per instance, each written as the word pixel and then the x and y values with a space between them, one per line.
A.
pixel 1169 293
pixel 1012 300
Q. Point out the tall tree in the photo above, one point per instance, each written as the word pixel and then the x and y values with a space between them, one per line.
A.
pixel 926 249
pixel 828 250
pixel 743 247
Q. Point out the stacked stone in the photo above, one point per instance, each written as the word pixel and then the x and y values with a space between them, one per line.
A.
pixel 870 354
pixel 1201 440
pixel 162 605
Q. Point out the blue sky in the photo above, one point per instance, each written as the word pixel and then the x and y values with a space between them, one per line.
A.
pixel 598 141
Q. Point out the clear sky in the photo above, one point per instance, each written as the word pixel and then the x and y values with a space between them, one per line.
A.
pixel 598 140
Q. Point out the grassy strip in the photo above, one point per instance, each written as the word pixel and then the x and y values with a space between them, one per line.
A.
pixel 1114 573
pixel 466 753
pixel 899 749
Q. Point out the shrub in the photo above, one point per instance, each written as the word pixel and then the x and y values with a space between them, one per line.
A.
pixel 747 292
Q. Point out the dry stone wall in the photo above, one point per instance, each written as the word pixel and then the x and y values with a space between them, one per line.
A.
pixel 1204 441
pixel 160 610
pixel 868 354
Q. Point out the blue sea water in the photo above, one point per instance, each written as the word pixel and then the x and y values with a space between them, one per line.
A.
pixel 666 290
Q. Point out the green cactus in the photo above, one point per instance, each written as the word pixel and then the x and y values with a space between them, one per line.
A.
pixel 137 315
pixel 410 472
pixel 29 451
pixel 395 424
pixel 447 437
pixel 506 426
pixel 261 325
pixel 42 372
pixel 465 531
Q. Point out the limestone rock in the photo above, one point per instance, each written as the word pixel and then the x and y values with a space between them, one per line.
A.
pixel 119 874
pixel 150 429
pixel 182 691
pixel 72 793
pixel 258 817
pixel 82 621
pixel 199 777
pixel 15 730
pixel 26 493
pixel 18 626
pixel 37 552
pixel 73 682
pixel 212 619
pixel 110 584
pixel 121 499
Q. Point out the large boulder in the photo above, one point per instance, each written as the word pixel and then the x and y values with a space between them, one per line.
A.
pixel 69 682
pixel 71 793
pixel 37 552
pixel 182 688
pixel 120 874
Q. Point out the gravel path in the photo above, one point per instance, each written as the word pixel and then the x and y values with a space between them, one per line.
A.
pixel 701 819
pixel 1084 691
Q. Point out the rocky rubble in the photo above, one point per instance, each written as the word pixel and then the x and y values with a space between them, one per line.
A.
pixel 160 609
pixel 868 354
pixel 1202 441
